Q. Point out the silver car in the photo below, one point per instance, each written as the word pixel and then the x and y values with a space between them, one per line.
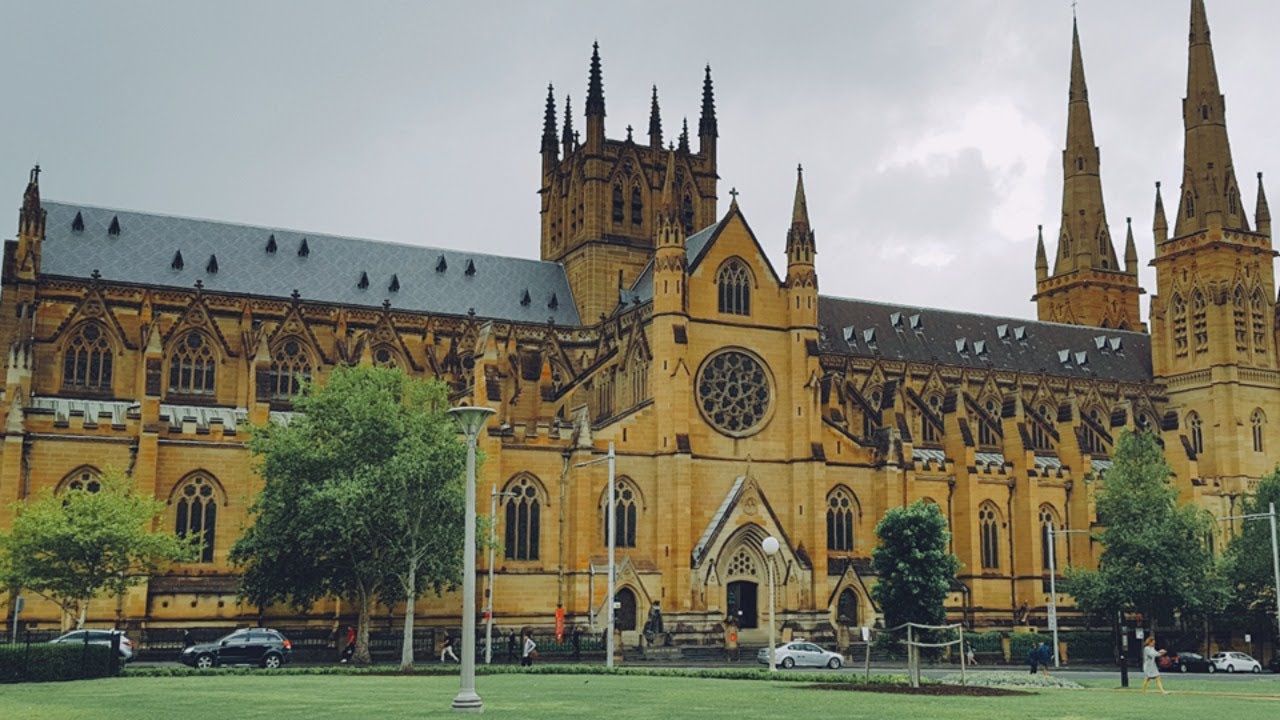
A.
pixel 1236 662
pixel 801 653
pixel 98 637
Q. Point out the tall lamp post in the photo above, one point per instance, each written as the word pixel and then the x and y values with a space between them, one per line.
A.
pixel 1053 586
pixel 770 547
pixel 1270 515
pixel 471 421
pixel 610 530
pixel 493 541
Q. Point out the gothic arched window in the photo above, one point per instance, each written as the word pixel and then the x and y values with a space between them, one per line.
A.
pixel 1257 310
pixel 987 435
pixel 385 357
pixel 637 206
pixel 989 531
pixel 193 365
pixel 617 204
pixel 1200 322
pixel 842 510
pixel 524 518
pixel 1231 201
pixel 1040 436
pixel 1197 431
pixel 196 512
pixel 1049 526
pixel 686 213
pixel 734 282
pixel 847 608
pixel 1191 203
pixel 86 479
pixel 86 362
pixel 1258 421
pixel 929 432
pixel 626 500
pixel 1178 308
pixel 1238 317
pixel 290 369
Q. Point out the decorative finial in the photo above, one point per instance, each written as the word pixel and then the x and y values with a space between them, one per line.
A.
pixel 734 193
pixel 199 285
pixel 628 133
pixel 95 276
pixel 386 304
pixel 295 295
pixel 35 174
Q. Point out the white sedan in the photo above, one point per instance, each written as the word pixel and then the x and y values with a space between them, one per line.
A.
pixel 801 653
pixel 1235 662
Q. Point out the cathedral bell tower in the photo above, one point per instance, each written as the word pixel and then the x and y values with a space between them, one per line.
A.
pixel 1087 286
pixel 601 196
pixel 1213 319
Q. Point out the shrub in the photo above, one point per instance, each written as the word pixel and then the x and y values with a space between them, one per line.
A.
pixel 46 662
pixel 984 642
pixel 1013 680
pixel 1089 645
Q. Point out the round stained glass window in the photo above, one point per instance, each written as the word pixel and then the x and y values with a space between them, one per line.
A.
pixel 734 393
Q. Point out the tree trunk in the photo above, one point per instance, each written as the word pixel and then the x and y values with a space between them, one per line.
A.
pixel 84 610
pixel 361 656
pixel 411 597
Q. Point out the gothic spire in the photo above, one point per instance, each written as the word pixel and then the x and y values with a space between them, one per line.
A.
pixel 1209 187
pixel 684 136
pixel 1130 249
pixel 566 137
pixel 800 239
pixel 655 121
pixel 670 205
pixel 1262 213
pixel 31 217
pixel 707 122
pixel 549 123
pixel 800 208
pixel 595 84
pixel 1161 225
pixel 1042 263
pixel 1084 241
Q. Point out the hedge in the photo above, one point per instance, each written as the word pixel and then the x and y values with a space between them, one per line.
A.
pixel 1089 645
pixel 1020 643
pixel 984 642
pixel 45 662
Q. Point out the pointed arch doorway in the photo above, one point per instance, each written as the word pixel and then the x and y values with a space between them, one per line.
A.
pixel 742 603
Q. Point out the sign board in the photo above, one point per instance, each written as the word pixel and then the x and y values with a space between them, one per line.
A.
pixel 1053 619
pixel 1139 633
pixel 617 605
pixel 866 634
pixel 1248 638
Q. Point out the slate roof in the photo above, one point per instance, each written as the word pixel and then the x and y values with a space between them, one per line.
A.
pixel 903 332
pixel 144 249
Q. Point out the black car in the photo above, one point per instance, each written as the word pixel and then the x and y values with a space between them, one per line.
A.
pixel 1193 662
pixel 251 646
pixel 1274 664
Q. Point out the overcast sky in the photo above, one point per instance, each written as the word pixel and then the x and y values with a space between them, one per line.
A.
pixel 931 131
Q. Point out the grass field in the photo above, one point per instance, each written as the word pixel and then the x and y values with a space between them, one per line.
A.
pixel 588 696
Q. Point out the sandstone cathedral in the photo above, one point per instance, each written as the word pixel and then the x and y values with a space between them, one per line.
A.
pixel 742 403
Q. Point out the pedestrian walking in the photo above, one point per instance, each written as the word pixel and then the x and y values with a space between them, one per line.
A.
pixel 1151 665
pixel 447 650
pixel 1045 657
pixel 350 649
pixel 530 650
pixel 1033 658
pixel 970 657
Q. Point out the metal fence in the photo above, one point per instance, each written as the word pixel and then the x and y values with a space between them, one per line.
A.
pixel 29 656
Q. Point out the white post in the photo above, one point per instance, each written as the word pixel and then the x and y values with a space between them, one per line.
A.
pixel 770 547
pixel 1053 593
pixel 611 524
pixel 963 651
pixel 1275 559
pixel 471 420
pixel 488 628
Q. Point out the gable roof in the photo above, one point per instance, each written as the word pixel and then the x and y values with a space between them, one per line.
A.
pixel 929 335
pixel 330 269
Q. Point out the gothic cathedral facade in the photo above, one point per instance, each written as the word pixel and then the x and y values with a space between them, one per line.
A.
pixel 741 403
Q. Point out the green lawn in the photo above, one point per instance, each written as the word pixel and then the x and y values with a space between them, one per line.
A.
pixel 581 696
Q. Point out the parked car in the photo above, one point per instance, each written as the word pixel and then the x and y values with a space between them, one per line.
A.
pixel 248 646
pixel 801 653
pixel 1192 662
pixel 99 637
pixel 1274 664
pixel 1236 662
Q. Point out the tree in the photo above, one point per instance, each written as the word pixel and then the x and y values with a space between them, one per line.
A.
pixel 74 546
pixel 914 567
pixel 1155 558
pixel 1247 564
pixel 362 498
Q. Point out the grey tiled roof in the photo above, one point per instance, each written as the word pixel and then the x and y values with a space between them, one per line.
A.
pixel 641 291
pixel 901 332
pixel 143 253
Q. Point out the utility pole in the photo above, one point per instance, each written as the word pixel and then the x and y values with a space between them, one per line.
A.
pixel 610 530
pixel 493 541
pixel 1053 587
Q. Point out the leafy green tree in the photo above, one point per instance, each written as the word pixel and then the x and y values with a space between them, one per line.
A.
pixel 914 566
pixel 1248 564
pixel 362 498
pixel 72 547
pixel 1155 557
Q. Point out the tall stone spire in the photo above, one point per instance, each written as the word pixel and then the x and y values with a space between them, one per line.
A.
pixel 1210 193
pixel 595 103
pixel 549 124
pixel 707 127
pixel 1262 212
pixel 31 217
pixel 1042 262
pixel 655 121
pixel 800 207
pixel 684 136
pixel 566 138
pixel 1130 249
pixel 800 240
pixel 1160 226
pixel 1084 241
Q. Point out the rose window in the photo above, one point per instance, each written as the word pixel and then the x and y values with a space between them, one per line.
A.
pixel 733 393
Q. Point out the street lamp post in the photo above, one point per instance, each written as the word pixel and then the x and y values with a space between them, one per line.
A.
pixel 610 530
pixel 1053 586
pixel 493 541
pixel 471 421
pixel 770 547
pixel 1270 515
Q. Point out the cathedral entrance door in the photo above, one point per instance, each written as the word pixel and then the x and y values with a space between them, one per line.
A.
pixel 742 603
pixel 624 614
